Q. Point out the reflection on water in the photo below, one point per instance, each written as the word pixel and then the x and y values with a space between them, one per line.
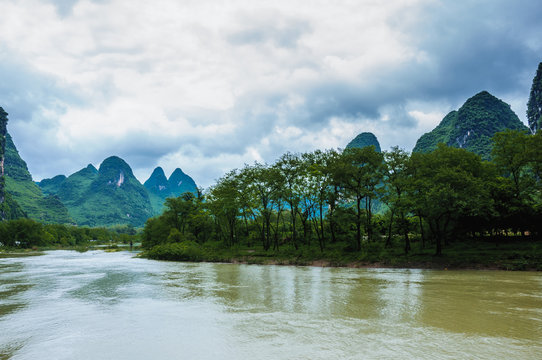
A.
pixel 69 305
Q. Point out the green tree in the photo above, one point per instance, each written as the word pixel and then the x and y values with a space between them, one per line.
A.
pixel 22 233
pixel 511 156
pixel 224 203
pixel 155 232
pixel 359 173
pixel 448 185
pixel 319 182
pixel 397 181
pixel 289 169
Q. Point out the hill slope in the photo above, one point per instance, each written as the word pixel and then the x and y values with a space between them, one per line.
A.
pixel 9 208
pixel 25 192
pixel 472 126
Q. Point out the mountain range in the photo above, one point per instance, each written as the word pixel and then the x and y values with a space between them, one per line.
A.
pixel 106 196
pixel 160 187
pixel 112 194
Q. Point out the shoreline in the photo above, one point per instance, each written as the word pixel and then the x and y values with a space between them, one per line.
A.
pixel 359 264
pixel 426 264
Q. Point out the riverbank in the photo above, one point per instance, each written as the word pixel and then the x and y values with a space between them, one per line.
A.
pixel 20 253
pixel 37 251
pixel 483 255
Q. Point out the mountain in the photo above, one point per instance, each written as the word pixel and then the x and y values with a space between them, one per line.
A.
pixel 51 186
pixel 534 105
pixel 180 183
pixel 71 190
pixel 108 196
pixel 364 139
pixel 160 188
pixel 157 183
pixel 28 195
pixel 472 126
pixel 9 208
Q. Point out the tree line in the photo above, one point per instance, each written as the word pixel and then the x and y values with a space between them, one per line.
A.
pixel 361 196
pixel 26 233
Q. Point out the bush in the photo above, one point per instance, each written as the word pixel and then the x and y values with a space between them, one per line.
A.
pixel 182 251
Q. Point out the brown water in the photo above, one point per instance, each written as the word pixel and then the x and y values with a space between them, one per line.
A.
pixel 97 305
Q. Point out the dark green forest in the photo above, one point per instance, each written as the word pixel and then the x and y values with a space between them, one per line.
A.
pixel 319 205
pixel 26 233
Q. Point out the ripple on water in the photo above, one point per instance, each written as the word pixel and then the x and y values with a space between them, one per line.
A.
pixel 98 305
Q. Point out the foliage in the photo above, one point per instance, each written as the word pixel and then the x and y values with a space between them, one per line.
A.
pixel 448 186
pixel 318 201
pixel 27 233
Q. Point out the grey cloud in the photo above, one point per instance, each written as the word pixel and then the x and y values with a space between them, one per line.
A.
pixel 470 47
pixel 25 92
pixel 474 45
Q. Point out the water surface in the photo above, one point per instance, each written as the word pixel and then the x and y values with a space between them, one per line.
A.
pixel 97 305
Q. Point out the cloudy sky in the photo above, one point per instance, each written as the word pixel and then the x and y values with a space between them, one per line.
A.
pixel 210 85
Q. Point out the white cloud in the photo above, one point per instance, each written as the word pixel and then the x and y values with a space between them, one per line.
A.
pixel 208 86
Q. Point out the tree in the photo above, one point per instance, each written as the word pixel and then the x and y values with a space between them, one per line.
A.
pixel 511 156
pixel 319 186
pixel 262 184
pixel 518 160
pixel 448 185
pixel 359 173
pixel 289 168
pixel 534 105
pixel 397 182
pixel 224 203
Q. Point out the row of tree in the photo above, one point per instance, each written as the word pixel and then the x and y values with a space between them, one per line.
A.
pixel 26 233
pixel 359 195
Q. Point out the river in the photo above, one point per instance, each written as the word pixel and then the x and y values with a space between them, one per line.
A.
pixel 98 305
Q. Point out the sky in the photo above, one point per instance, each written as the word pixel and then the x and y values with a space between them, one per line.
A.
pixel 209 85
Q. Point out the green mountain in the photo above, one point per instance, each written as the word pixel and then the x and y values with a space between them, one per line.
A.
pixel 160 188
pixel 9 208
pixel 180 183
pixel 25 192
pixel 364 139
pixel 51 186
pixel 472 126
pixel 108 196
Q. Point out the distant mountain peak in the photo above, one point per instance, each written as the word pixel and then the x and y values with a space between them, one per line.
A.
pixel 160 187
pixel 364 139
pixel 157 182
pixel 180 183
pixel 472 126
pixel 91 168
